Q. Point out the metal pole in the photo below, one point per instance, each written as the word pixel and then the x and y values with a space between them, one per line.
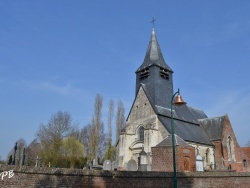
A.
pixel 173 141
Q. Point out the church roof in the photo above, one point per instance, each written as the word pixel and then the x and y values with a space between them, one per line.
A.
pixel 186 121
pixel 190 132
pixel 213 127
pixel 168 141
pixel 153 55
pixel 185 113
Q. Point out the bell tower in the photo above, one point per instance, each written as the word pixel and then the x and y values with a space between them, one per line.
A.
pixel 155 74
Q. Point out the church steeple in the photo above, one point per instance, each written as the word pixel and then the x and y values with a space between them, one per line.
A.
pixel 154 55
pixel 155 74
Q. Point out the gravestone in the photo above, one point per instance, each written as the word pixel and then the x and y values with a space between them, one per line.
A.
pixel 114 166
pixel 10 160
pixel 199 163
pixel 149 162
pixel 107 165
pixel 131 166
pixel 94 162
pixel 142 162
pixel 96 166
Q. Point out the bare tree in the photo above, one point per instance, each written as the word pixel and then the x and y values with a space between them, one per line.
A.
pixel 98 138
pixel 32 152
pixel 51 135
pixel 58 126
pixel 108 154
pixel 21 144
pixel 120 119
pixel 110 118
pixel 87 138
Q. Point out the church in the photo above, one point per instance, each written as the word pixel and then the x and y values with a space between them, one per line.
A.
pixel 210 141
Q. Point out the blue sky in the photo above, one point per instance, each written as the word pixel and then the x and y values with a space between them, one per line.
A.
pixel 57 55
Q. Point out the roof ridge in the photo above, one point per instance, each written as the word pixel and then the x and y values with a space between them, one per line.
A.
pixel 212 118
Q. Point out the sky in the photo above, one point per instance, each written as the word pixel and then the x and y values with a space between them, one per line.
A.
pixel 57 55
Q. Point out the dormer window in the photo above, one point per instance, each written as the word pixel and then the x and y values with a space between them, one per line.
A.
pixel 144 73
pixel 164 73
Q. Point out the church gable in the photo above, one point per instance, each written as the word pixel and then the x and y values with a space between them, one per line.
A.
pixel 231 148
pixel 141 109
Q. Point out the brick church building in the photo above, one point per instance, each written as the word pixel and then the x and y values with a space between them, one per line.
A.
pixel 198 138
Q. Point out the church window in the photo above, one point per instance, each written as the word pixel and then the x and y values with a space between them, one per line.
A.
pixel 230 147
pixel 245 163
pixel 141 133
pixel 144 73
pixel 164 73
pixel 207 156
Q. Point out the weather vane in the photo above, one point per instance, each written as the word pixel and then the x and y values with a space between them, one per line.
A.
pixel 153 21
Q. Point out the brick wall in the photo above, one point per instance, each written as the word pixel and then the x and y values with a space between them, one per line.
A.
pixel 162 159
pixel 246 151
pixel 25 177
pixel 239 156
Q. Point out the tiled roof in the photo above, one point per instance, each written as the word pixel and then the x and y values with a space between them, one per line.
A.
pixel 213 127
pixel 168 141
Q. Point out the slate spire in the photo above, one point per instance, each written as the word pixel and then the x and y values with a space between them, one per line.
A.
pixel 155 74
pixel 154 55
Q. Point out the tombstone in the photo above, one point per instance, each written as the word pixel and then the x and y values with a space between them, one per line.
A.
pixel 131 166
pixel 94 162
pixel 114 166
pixel 148 167
pixel 10 160
pixel 90 166
pixel 149 163
pixel 96 166
pixel 142 162
pixel 37 161
pixel 199 163
pixel 107 165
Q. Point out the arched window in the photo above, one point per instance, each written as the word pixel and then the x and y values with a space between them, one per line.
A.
pixel 245 163
pixel 230 147
pixel 141 133
pixel 207 156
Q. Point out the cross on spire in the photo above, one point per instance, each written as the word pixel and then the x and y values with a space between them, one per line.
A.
pixel 153 21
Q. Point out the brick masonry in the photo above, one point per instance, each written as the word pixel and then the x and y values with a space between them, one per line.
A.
pixel 162 159
pixel 26 177
pixel 222 150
